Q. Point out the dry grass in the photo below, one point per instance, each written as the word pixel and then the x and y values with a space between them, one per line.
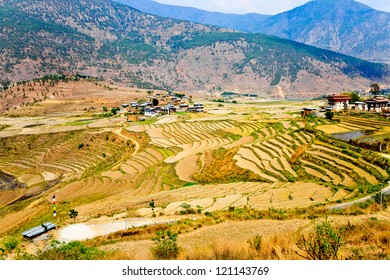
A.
pixel 187 167
pixel 276 247
pixel 333 129
pixel 367 241
pixel 220 251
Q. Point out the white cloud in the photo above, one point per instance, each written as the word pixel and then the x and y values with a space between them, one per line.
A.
pixel 269 7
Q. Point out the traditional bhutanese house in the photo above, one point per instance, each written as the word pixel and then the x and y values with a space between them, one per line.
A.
pixel 191 109
pixel 150 112
pixel 183 106
pixel 198 107
pixel 361 106
pixel 377 103
pixel 338 102
pixel 167 110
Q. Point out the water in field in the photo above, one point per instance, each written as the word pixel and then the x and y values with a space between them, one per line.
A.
pixel 353 135
pixel 362 135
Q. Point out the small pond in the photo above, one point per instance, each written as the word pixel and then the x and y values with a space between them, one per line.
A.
pixel 9 182
pixel 361 135
pixel 353 135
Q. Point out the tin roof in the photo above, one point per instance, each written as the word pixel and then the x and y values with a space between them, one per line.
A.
pixel 339 97
pixel 35 231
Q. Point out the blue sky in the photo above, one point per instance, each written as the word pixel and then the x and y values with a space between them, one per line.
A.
pixel 269 7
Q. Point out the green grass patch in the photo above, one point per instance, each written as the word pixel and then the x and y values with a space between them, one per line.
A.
pixel 79 123
pixel 74 250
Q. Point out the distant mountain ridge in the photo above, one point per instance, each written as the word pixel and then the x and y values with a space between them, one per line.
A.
pixel 238 22
pixel 344 26
pixel 111 41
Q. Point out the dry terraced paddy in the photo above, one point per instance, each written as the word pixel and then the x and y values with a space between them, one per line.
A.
pixel 270 158
pixel 290 166
pixel 220 197
pixel 350 123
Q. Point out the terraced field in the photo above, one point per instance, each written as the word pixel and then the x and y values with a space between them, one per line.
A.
pixel 352 123
pixel 210 162
pixel 270 157
pixel 362 123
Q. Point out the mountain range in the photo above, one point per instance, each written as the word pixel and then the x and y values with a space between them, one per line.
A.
pixel 245 23
pixel 344 26
pixel 115 42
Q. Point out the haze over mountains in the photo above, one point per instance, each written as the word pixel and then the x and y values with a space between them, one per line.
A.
pixel 344 26
pixel 112 41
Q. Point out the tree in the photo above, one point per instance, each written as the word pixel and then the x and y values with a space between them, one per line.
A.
pixel 322 244
pixel 5 84
pixel 73 214
pixel 155 102
pixel 375 89
pixel 354 97
pixel 115 110
pixel 180 95
pixel 152 205
pixel 329 115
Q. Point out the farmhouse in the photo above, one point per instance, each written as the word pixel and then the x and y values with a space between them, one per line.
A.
pixel 198 107
pixel 377 103
pixel 168 109
pixel 191 109
pixel 338 102
pixel 150 112
pixel 361 106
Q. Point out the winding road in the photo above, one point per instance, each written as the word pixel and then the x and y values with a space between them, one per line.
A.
pixel 385 191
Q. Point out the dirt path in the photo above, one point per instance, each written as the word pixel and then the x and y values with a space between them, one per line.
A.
pixel 135 143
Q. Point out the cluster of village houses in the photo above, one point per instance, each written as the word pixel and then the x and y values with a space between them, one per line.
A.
pixel 171 102
pixel 377 103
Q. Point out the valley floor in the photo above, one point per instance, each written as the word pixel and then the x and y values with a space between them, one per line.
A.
pixel 254 156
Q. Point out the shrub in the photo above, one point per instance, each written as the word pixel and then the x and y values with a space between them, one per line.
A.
pixel 114 110
pixel 199 209
pixel 166 247
pixel 74 250
pixel 329 115
pixel 187 209
pixel 10 244
pixel 255 242
pixel 73 214
pixel 322 244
